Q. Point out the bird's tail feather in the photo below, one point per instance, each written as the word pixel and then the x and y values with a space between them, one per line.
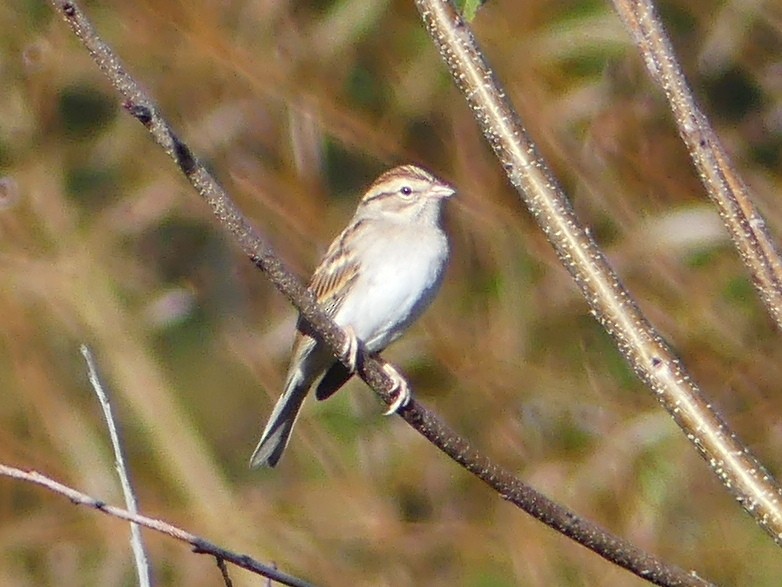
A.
pixel 280 425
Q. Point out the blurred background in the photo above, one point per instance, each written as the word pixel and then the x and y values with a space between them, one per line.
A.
pixel 297 106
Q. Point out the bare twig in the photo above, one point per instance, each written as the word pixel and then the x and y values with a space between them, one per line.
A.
pixel 727 190
pixel 224 571
pixel 136 542
pixel 649 355
pixel 200 545
pixel 370 370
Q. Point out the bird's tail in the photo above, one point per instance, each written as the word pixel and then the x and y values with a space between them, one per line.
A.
pixel 280 425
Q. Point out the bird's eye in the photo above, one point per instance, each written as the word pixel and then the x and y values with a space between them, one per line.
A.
pixel 406 190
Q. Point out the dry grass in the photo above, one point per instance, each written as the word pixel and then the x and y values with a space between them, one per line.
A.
pixel 296 106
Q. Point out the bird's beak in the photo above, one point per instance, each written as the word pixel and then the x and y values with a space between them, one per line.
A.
pixel 443 190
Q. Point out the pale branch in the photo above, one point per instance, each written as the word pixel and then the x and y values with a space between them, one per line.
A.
pixel 612 305
pixel 724 185
pixel 142 107
pixel 199 545
pixel 136 542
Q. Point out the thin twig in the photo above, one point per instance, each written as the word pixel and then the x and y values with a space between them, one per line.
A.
pixel 136 542
pixel 142 107
pixel 725 187
pixel 647 352
pixel 224 571
pixel 199 545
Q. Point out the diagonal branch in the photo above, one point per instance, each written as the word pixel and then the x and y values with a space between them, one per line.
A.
pixel 727 190
pixel 200 545
pixel 597 539
pixel 642 346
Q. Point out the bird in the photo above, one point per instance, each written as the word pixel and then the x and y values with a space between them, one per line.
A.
pixel 376 278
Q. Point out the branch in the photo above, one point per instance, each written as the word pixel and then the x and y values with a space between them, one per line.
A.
pixel 590 535
pixel 642 346
pixel 200 545
pixel 136 543
pixel 727 190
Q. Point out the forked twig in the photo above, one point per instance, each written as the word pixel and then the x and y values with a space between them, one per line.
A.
pixel 200 545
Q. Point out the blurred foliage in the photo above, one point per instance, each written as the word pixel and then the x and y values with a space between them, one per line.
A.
pixel 469 8
pixel 296 106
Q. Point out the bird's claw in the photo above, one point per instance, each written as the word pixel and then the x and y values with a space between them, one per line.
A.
pixel 350 349
pixel 399 389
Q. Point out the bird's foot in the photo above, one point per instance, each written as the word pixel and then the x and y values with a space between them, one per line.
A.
pixel 399 389
pixel 350 349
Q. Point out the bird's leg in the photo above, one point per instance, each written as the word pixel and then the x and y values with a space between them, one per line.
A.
pixel 350 349
pixel 399 388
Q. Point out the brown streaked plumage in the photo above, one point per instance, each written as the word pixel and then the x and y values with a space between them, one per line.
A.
pixel 375 279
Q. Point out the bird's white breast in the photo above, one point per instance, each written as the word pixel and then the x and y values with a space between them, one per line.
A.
pixel 401 270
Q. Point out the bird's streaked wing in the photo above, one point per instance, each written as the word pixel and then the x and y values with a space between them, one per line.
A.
pixel 330 283
pixel 336 273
